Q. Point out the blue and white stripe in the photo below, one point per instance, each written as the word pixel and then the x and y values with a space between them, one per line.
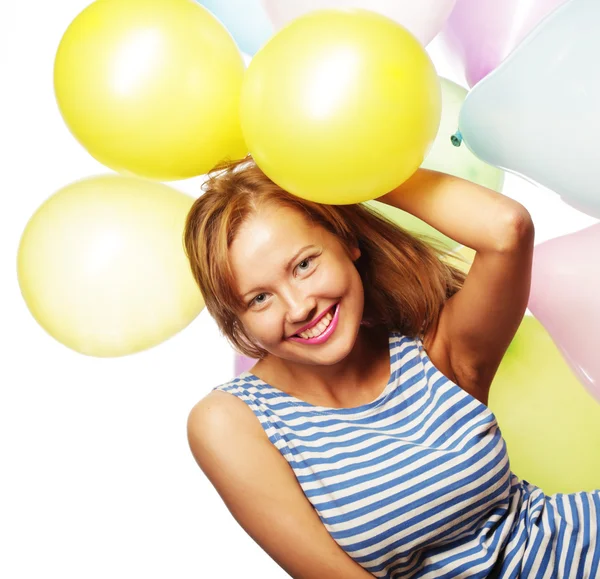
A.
pixel 417 483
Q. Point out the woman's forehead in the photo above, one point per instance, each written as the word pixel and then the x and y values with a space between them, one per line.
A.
pixel 276 222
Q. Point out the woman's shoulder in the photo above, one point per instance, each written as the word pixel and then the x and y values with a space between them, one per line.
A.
pixel 221 411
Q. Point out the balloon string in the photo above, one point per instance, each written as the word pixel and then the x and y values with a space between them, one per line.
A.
pixel 456 139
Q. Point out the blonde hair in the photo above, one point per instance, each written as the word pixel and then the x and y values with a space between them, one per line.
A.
pixel 405 280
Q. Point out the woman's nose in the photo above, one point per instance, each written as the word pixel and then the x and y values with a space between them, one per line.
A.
pixel 301 310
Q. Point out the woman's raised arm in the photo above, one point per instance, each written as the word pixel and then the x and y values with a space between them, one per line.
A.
pixel 478 322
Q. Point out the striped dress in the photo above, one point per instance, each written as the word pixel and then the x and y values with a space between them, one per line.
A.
pixel 417 483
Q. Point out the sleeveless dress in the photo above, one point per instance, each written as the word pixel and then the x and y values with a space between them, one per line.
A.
pixel 417 483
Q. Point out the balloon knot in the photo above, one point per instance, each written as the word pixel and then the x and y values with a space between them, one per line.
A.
pixel 456 139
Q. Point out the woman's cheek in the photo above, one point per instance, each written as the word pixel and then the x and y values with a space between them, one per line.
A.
pixel 341 281
pixel 328 281
pixel 271 325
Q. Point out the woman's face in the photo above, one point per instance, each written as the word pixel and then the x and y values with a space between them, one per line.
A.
pixel 289 272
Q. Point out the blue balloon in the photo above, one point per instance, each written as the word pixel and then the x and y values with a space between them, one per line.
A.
pixel 538 114
pixel 245 20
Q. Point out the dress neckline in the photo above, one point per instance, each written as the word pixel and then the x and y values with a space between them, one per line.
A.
pixel 291 400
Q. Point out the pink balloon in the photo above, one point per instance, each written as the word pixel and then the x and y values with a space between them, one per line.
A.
pixel 480 34
pixel 243 364
pixel 565 298
pixel 424 18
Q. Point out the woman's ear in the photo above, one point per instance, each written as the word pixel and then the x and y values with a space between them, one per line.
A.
pixel 355 253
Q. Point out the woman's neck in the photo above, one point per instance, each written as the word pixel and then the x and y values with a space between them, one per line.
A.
pixel 360 376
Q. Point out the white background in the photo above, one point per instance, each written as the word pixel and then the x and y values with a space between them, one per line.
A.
pixel 97 479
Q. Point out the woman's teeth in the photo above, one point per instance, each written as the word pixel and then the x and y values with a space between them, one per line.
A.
pixel 319 328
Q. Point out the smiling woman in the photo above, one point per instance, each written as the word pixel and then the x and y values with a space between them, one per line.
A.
pixel 313 291
pixel 360 443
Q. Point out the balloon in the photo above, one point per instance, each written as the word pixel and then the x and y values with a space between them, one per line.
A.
pixel 538 113
pixel 102 268
pixel 340 106
pixel 550 423
pixel 565 298
pixel 481 33
pixel 424 18
pixel 445 157
pixel 243 364
pixel 151 88
pixel 246 20
pixel 458 161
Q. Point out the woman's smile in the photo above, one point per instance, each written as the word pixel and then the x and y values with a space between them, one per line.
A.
pixel 320 332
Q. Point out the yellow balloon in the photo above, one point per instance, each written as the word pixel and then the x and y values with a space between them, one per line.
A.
pixel 340 106
pixel 446 158
pixel 151 88
pixel 550 423
pixel 102 268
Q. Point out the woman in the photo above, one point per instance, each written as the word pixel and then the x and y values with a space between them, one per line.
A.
pixel 360 443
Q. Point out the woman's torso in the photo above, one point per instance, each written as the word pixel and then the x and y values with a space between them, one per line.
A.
pixel 417 477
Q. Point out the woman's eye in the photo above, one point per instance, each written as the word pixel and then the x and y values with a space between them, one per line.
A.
pixel 305 263
pixel 257 300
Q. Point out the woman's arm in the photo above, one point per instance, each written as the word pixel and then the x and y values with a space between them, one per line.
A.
pixel 259 488
pixel 478 322
pixel 468 213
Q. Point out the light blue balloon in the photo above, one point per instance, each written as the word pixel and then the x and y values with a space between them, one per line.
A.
pixel 245 20
pixel 538 114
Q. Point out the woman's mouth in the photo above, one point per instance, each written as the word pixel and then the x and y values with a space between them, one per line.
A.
pixel 320 332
